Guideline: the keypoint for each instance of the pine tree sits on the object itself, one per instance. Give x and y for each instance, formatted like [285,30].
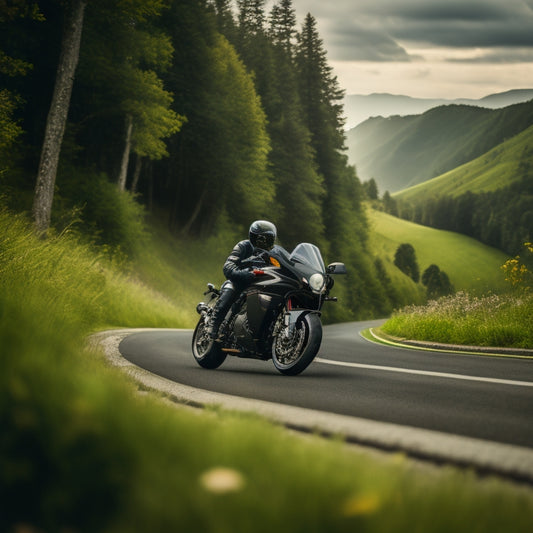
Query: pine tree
[346,227]
[282,27]
[224,17]
[218,161]
[299,188]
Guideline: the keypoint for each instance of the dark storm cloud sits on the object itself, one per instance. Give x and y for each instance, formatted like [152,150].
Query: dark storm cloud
[373,29]
[351,42]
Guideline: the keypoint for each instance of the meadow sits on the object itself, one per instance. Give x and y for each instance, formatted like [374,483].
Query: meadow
[470,265]
[84,448]
[493,320]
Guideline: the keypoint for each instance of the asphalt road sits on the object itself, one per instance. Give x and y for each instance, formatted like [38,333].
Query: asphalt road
[488,398]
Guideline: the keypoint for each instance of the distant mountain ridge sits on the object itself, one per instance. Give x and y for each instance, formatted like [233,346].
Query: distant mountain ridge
[399,152]
[497,169]
[359,108]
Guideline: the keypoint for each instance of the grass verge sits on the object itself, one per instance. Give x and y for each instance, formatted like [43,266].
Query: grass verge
[495,320]
[82,450]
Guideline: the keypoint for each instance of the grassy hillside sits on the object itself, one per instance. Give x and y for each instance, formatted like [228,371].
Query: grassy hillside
[400,152]
[470,265]
[497,169]
[82,450]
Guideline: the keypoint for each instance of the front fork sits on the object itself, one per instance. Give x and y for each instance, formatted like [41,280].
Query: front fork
[291,317]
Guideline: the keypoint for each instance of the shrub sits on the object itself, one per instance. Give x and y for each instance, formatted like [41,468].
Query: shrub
[405,260]
[100,210]
[437,282]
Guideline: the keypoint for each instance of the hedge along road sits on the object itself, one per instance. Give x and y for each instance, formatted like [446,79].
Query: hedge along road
[461,408]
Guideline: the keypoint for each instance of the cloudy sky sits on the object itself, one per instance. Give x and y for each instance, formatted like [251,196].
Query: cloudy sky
[426,48]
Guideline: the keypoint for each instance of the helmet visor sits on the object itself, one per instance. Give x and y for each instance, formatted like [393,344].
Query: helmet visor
[264,240]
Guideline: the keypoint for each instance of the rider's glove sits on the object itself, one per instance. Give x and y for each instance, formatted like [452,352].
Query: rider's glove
[243,276]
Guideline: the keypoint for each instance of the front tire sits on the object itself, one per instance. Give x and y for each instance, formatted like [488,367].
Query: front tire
[292,355]
[206,351]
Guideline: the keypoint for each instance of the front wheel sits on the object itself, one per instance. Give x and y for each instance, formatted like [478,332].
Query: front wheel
[293,353]
[206,351]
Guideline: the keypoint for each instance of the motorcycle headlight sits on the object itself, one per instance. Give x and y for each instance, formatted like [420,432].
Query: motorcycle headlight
[316,282]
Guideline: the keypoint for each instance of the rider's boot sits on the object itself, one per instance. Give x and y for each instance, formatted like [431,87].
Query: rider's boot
[227,297]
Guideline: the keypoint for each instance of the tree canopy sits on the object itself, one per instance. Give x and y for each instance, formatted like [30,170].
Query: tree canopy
[232,113]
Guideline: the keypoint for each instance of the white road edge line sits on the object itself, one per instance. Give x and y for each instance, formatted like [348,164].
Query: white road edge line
[494,457]
[426,373]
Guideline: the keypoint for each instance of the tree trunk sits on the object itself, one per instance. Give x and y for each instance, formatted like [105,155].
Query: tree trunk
[57,116]
[136,173]
[125,155]
[187,228]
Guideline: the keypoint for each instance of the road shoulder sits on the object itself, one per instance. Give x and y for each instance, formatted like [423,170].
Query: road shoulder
[513,462]
[376,335]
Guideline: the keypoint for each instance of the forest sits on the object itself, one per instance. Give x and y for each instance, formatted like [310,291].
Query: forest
[502,219]
[204,113]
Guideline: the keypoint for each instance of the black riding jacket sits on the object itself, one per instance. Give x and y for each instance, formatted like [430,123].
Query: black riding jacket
[232,267]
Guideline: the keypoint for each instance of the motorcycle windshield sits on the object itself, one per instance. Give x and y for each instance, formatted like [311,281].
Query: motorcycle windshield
[309,254]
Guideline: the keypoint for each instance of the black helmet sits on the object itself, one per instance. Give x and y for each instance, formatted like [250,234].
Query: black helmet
[263,234]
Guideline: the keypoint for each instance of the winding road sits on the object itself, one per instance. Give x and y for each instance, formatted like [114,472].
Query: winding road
[489,398]
[467,410]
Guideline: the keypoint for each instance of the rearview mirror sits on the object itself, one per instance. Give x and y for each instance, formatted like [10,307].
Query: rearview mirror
[336,268]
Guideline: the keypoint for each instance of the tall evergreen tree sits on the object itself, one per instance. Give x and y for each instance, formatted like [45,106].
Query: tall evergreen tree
[220,156]
[251,18]
[300,188]
[225,22]
[283,26]
[345,222]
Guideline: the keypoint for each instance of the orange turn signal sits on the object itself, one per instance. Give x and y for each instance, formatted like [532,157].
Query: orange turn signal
[275,262]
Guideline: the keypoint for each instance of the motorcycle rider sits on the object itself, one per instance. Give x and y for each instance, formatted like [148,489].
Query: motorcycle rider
[261,235]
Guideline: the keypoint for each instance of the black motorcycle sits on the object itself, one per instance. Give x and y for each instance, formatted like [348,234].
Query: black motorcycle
[277,317]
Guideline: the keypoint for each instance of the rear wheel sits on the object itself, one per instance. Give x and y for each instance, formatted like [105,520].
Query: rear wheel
[206,351]
[294,352]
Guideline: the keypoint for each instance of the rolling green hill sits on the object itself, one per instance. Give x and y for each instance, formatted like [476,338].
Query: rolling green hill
[399,152]
[489,198]
[497,169]
[470,265]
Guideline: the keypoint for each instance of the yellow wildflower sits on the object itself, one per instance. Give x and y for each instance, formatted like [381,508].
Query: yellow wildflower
[361,504]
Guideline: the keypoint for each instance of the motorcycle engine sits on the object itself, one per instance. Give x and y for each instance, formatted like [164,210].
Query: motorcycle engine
[243,335]
[241,327]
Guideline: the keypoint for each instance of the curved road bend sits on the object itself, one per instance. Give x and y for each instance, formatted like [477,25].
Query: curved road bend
[488,398]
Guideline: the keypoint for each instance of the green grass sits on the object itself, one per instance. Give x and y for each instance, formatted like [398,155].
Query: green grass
[496,320]
[470,265]
[82,450]
[481,314]
[180,268]
[496,169]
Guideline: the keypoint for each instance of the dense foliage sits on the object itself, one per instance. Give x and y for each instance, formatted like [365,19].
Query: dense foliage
[204,110]
[503,218]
